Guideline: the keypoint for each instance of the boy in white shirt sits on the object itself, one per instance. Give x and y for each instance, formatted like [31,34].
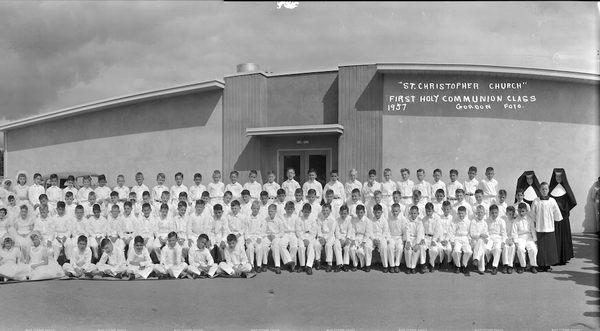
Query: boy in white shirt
[501,203]
[416,201]
[158,189]
[78,227]
[288,221]
[429,246]
[62,222]
[178,187]
[164,200]
[290,185]
[520,198]
[298,201]
[462,241]
[479,202]
[524,237]
[200,260]
[216,188]
[102,191]
[253,187]
[335,203]
[460,202]
[453,185]
[471,185]
[361,232]
[43,223]
[199,222]
[489,186]
[139,188]
[264,204]
[255,231]
[181,222]
[341,246]
[122,189]
[479,239]
[114,201]
[413,238]
[312,183]
[423,186]
[354,202]
[89,205]
[314,203]
[273,235]
[326,237]
[139,263]
[280,202]
[510,250]
[114,224]
[171,257]
[396,224]
[84,191]
[237,222]
[388,186]
[438,202]
[377,200]
[236,261]
[444,236]
[370,186]
[271,186]
[306,232]
[437,182]
[337,187]
[81,260]
[146,227]
[97,229]
[405,186]
[352,184]
[127,228]
[218,234]
[197,189]
[496,244]
[54,193]
[35,190]
[234,187]
[70,204]
[381,236]
[246,203]
[69,187]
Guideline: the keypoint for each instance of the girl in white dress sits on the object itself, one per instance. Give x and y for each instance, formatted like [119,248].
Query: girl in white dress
[139,263]
[10,260]
[21,189]
[23,225]
[41,262]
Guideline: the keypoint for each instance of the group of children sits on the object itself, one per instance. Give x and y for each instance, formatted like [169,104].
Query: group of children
[235,229]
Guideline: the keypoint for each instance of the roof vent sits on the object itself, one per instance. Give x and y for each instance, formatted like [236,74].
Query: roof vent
[247,67]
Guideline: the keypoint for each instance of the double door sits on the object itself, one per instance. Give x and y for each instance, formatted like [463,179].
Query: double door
[301,160]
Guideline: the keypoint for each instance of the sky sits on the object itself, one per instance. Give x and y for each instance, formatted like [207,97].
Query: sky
[61,54]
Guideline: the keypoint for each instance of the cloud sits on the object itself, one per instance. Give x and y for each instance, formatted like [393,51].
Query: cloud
[60,54]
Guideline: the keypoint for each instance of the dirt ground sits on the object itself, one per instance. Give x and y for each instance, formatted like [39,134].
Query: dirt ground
[567,298]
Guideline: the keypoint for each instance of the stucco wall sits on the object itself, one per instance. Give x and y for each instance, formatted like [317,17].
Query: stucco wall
[175,134]
[510,146]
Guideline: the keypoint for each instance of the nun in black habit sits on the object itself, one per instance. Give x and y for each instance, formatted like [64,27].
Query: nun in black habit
[530,186]
[561,191]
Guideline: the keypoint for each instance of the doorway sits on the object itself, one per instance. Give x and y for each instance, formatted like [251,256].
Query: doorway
[301,160]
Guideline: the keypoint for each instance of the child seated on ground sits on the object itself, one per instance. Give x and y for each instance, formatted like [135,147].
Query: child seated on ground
[80,264]
[112,262]
[139,263]
[41,261]
[200,261]
[171,258]
[236,261]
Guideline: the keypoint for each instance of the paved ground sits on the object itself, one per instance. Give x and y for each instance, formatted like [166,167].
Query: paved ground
[566,298]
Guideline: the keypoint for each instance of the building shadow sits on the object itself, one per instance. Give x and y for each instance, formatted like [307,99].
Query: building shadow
[585,247]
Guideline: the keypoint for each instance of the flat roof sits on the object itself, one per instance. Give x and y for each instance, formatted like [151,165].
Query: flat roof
[537,72]
[115,102]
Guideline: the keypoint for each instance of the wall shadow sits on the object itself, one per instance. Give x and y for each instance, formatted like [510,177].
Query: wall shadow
[330,104]
[585,247]
[371,99]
